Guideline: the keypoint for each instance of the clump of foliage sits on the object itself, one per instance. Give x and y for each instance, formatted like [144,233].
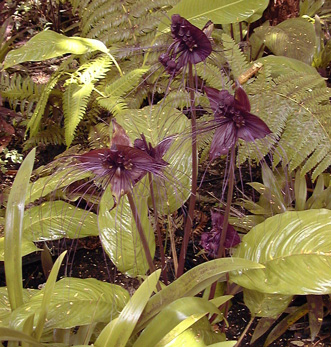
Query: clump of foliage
[150,91]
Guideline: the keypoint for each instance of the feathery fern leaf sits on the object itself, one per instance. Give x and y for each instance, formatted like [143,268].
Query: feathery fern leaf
[75,99]
[53,135]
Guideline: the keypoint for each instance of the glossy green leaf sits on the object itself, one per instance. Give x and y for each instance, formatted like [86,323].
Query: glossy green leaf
[57,219]
[200,334]
[49,44]
[45,185]
[7,334]
[119,235]
[191,283]
[280,65]
[180,328]
[172,315]
[117,334]
[47,295]
[14,231]
[295,248]
[293,38]
[266,305]
[5,309]
[75,302]
[27,247]
[156,124]
[218,11]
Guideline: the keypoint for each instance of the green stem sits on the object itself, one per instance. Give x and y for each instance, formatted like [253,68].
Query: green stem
[189,220]
[158,231]
[141,233]
[221,250]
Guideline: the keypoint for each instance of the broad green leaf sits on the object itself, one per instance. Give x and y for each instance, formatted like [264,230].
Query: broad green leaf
[262,327]
[179,329]
[45,185]
[119,235]
[224,344]
[53,220]
[293,38]
[171,316]
[75,302]
[218,11]
[200,334]
[75,99]
[295,248]
[117,333]
[27,247]
[157,124]
[14,231]
[49,44]
[5,309]
[8,334]
[266,305]
[192,282]
[48,292]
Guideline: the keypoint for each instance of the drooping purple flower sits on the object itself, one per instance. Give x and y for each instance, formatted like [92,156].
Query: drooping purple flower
[155,152]
[233,120]
[121,165]
[210,241]
[190,45]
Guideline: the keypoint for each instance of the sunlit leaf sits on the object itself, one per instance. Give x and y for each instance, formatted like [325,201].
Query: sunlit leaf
[192,282]
[27,247]
[218,11]
[119,235]
[295,248]
[13,335]
[75,302]
[171,316]
[118,332]
[57,219]
[14,231]
[266,305]
[49,44]
[293,38]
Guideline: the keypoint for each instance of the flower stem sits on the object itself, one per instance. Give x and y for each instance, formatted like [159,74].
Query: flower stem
[189,219]
[158,231]
[141,233]
[221,250]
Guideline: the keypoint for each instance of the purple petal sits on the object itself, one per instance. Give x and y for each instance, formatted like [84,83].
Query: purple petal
[224,139]
[119,135]
[254,128]
[162,148]
[242,99]
[219,99]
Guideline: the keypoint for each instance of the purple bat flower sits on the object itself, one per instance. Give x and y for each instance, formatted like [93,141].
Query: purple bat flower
[190,45]
[121,165]
[233,120]
[210,241]
[155,152]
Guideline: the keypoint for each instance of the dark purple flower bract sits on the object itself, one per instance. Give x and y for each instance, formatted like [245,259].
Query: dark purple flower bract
[210,241]
[190,45]
[233,120]
[121,165]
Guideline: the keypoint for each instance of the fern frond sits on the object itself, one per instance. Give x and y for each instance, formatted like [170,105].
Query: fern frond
[53,135]
[20,91]
[234,56]
[114,104]
[34,122]
[99,136]
[94,70]
[213,76]
[75,99]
